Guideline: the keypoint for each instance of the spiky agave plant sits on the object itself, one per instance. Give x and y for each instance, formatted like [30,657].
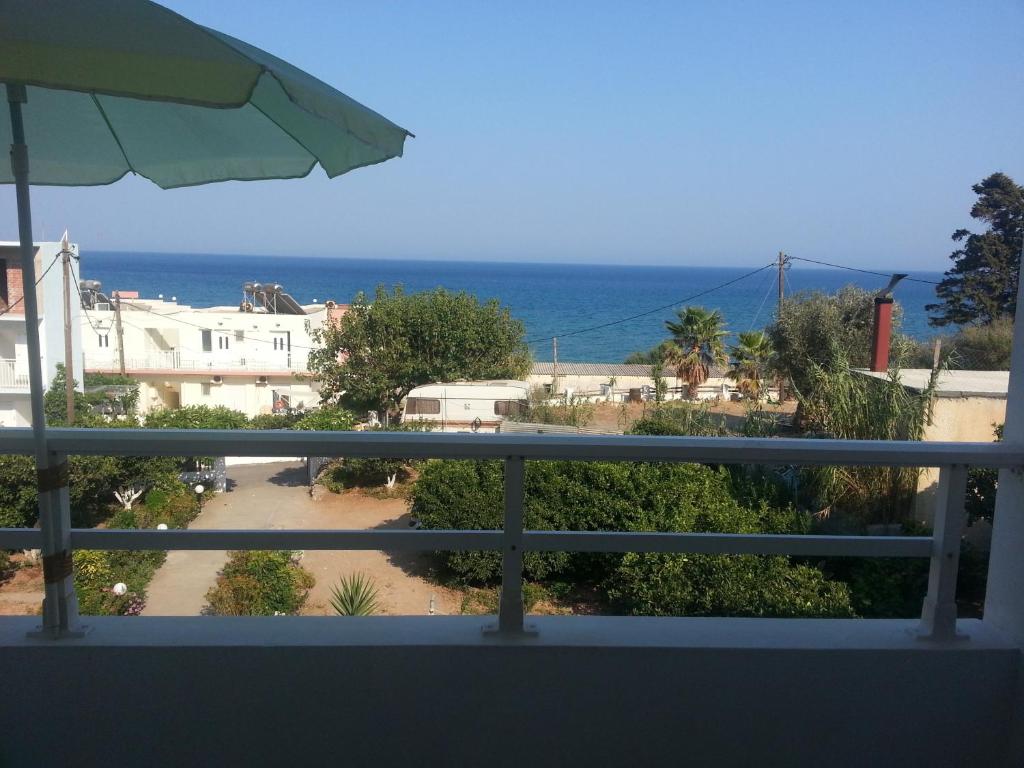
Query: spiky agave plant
[355,595]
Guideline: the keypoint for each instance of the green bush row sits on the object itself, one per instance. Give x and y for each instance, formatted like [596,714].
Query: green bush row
[600,496]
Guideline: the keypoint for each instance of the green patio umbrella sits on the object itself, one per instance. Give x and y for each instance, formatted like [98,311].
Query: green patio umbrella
[104,88]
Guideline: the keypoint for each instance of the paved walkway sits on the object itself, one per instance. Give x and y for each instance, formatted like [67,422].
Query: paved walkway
[275,496]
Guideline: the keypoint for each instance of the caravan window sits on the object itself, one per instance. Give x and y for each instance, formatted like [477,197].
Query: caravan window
[422,406]
[509,407]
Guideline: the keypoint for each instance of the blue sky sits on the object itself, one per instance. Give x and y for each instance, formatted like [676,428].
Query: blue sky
[663,133]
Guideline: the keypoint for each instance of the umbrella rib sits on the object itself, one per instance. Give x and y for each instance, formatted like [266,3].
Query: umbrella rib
[113,133]
[289,134]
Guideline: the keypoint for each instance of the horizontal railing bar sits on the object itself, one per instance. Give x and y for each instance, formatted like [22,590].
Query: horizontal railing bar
[192,539]
[728,544]
[724,450]
[21,538]
[534,541]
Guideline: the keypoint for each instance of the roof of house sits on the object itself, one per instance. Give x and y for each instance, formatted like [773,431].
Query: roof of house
[609,369]
[951,383]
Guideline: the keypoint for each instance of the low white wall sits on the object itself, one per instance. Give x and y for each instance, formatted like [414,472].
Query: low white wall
[595,691]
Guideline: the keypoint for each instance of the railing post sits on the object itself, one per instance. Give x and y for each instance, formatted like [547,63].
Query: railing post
[60,603]
[938,616]
[510,605]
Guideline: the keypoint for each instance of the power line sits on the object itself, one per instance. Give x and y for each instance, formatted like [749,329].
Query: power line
[767,293]
[40,280]
[864,271]
[655,310]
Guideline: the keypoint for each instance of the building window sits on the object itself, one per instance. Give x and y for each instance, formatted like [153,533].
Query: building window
[222,342]
[239,335]
[4,297]
[509,407]
[422,406]
[207,341]
[103,339]
[205,389]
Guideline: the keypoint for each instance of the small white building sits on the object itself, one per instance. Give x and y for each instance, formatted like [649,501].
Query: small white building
[251,358]
[614,381]
[15,401]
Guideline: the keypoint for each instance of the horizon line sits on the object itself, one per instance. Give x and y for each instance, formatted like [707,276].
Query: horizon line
[457,260]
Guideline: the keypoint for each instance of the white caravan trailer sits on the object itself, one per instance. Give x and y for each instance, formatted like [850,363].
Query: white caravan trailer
[466,406]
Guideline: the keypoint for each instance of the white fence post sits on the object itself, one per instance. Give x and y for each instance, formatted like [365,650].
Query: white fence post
[60,603]
[938,616]
[510,606]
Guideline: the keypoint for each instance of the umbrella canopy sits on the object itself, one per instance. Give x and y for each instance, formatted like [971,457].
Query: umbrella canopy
[103,88]
[117,87]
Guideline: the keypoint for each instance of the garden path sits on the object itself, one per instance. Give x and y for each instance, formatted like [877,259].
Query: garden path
[268,496]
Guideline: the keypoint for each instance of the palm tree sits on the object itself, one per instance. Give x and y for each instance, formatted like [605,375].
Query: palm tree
[751,358]
[696,345]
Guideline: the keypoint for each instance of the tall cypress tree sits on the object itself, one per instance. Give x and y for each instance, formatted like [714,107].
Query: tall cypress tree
[982,285]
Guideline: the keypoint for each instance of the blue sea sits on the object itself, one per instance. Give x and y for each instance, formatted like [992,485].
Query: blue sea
[564,300]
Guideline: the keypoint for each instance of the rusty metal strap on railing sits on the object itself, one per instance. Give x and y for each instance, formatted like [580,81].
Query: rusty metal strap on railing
[53,478]
[57,567]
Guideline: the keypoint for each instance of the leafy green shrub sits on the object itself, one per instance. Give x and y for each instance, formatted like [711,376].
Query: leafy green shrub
[96,573]
[260,584]
[725,585]
[592,496]
[274,421]
[5,564]
[196,417]
[326,420]
[17,492]
[680,419]
[355,595]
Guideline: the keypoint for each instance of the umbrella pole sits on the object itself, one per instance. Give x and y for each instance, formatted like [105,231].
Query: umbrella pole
[60,604]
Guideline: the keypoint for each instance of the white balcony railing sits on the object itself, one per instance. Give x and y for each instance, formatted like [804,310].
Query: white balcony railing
[938,619]
[175,361]
[10,378]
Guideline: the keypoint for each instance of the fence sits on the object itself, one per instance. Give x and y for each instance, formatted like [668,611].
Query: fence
[938,619]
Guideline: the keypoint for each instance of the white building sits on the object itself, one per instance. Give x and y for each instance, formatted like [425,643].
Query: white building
[614,381]
[251,357]
[15,407]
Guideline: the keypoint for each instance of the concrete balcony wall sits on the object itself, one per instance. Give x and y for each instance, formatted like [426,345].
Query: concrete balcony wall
[438,691]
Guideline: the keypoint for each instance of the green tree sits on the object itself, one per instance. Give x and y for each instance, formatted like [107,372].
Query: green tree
[982,285]
[817,327]
[752,358]
[55,404]
[697,345]
[382,348]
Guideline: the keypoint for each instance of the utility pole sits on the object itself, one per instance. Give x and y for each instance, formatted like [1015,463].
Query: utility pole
[120,331]
[783,261]
[69,370]
[554,366]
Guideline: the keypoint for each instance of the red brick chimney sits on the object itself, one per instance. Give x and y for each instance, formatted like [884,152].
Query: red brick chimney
[881,330]
[881,333]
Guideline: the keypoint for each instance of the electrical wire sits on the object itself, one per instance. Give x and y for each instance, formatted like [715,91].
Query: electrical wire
[863,271]
[763,302]
[655,310]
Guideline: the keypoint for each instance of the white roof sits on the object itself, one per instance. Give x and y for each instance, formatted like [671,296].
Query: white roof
[952,383]
[497,388]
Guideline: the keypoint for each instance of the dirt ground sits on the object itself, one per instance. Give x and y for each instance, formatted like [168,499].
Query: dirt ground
[400,577]
[21,592]
[620,416]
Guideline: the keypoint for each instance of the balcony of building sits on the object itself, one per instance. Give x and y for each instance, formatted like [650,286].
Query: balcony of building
[184,363]
[13,379]
[512,688]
